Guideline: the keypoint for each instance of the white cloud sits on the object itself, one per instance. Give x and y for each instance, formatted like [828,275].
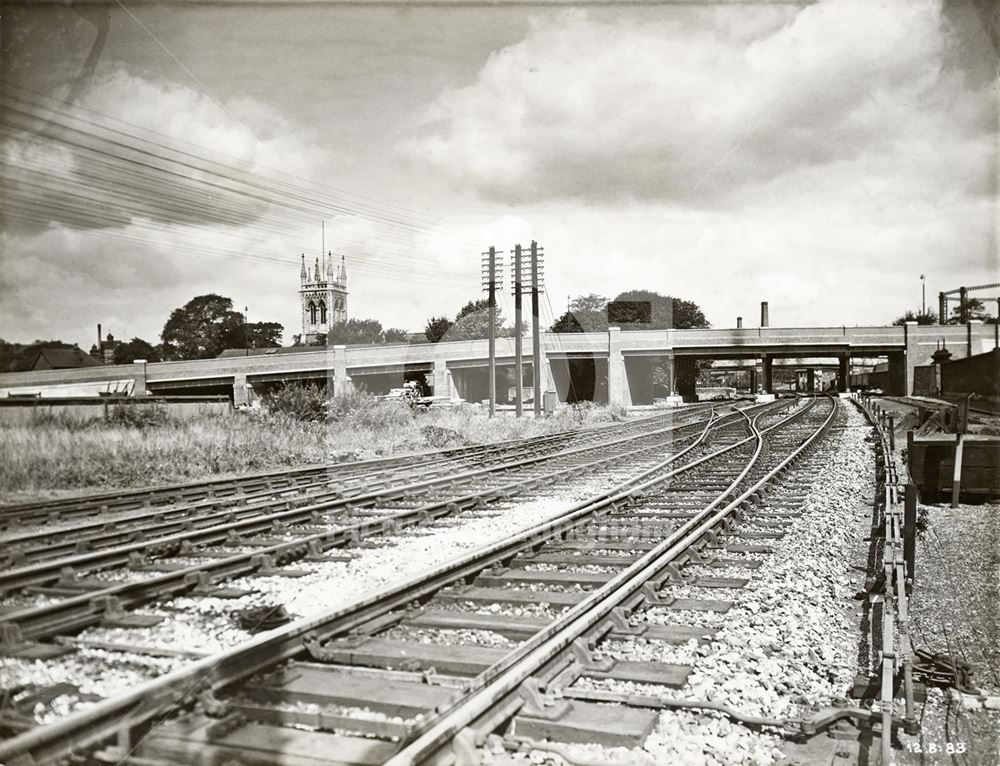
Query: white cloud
[610,110]
[140,148]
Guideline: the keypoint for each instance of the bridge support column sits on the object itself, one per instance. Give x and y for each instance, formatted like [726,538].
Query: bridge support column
[241,390]
[618,390]
[671,374]
[970,332]
[811,380]
[844,373]
[911,355]
[341,380]
[548,382]
[767,369]
[897,374]
[139,378]
[442,382]
[686,379]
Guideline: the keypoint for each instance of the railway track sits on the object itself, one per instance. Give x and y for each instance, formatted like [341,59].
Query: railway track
[328,491]
[215,493]
[364,684]
[60,593]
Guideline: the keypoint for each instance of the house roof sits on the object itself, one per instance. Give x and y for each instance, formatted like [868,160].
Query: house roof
[62,359]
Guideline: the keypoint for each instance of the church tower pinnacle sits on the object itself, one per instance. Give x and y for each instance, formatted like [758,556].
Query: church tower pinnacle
[323,296]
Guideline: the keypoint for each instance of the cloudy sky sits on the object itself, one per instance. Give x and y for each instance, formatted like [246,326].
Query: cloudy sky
[821,156]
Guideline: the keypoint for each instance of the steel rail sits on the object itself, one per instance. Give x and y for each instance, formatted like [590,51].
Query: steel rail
[39,573]
[184,518]
[896,649]
[120,715]
[136,498]
[75,612]
[495,687]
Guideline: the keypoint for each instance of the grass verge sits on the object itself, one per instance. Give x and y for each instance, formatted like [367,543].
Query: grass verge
[52,455]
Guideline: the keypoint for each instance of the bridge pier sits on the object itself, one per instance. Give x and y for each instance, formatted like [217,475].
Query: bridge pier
[241,390]
[139,378]
[811,380]
[686,377]
[844,373]
[341,380]
[767,373]
[441,380]
[897,373]
[618,389]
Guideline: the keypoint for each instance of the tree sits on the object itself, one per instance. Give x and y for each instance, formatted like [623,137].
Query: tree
[473,321]
[395,335]
[648,310]
[136,348]
[436,328]
[17,357]
[974,309]
[631,310]
[587,313]
[688,315]
[9,354]
[256,335]
[200,329]
[922,318]
[354,332]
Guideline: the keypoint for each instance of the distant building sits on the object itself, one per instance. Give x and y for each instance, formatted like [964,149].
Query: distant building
[323,296]
[60,359]
[105,352]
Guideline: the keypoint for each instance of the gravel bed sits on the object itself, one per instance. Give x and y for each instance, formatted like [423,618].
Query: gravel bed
[662,616]
[94,671]
[701,570]
[681,590]
[586,568]
[450,637]
[955,609]
[113,576]
[643,650]
[745,556]
[555,587]
[527,610]
[25,601]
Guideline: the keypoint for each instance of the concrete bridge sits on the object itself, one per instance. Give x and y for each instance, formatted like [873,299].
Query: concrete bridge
[612,366]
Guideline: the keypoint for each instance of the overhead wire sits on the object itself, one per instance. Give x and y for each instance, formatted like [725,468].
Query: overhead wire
[127,179]
[164,152]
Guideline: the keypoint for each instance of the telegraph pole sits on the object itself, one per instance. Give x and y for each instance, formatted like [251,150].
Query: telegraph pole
[536,352]
[490,284]
[518,358]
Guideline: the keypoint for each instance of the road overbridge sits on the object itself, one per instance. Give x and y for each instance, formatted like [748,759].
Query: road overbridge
[613,366]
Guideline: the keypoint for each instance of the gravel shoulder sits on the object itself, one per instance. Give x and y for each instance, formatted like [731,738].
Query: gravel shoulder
[955,609]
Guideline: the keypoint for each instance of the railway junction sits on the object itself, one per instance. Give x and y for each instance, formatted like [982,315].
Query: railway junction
[722,582]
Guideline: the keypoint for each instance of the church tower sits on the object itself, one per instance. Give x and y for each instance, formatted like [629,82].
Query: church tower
[323,294]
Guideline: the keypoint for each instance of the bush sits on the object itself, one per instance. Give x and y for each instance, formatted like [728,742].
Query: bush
[340,406]
[135,415]
[298,401]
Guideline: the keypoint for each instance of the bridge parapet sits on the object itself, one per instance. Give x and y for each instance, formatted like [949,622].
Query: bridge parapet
[917,342]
